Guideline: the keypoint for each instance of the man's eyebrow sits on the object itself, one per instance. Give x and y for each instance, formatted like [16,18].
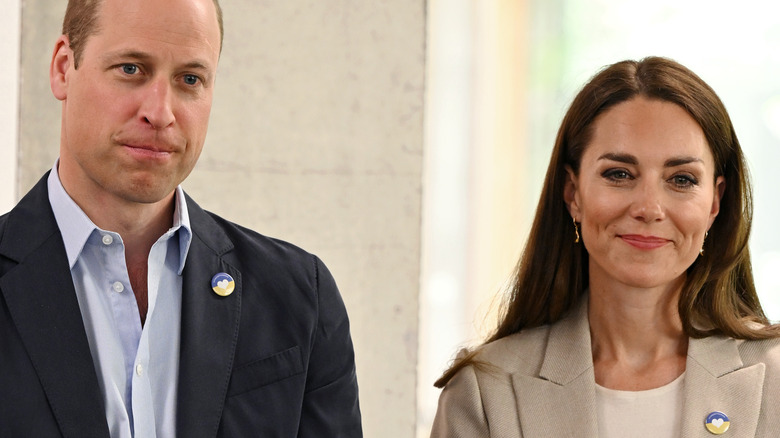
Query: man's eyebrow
[197,65]
[145,57]
[125,54]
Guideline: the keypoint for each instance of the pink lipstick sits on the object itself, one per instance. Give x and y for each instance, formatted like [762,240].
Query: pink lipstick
[644,242]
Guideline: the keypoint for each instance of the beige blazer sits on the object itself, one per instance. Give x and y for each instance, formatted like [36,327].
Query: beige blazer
[540,383]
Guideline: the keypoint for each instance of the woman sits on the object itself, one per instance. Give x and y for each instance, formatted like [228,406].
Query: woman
[633,310]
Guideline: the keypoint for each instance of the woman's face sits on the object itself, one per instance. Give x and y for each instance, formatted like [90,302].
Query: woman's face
[645,194]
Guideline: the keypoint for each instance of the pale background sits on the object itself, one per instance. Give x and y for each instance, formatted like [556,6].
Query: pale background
[9,101]
[323,110]
[500,75]
[316,138]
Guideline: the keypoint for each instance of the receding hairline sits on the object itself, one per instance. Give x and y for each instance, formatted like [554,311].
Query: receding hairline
[80,27]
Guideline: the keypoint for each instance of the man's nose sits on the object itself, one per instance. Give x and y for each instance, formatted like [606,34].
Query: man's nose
[157,106]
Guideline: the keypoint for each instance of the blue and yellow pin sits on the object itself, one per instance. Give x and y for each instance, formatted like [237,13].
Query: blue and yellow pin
[223,284]
[717,423]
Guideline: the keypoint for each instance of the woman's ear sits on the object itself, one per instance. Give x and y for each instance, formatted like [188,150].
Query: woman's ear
[570,194]
[720,188]
[61,61]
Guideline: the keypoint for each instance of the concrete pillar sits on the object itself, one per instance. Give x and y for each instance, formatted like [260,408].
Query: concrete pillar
[9,103]
[315,138]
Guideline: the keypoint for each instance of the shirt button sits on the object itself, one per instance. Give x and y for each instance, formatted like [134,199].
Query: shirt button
[107,239]
[118,286]
[139,369]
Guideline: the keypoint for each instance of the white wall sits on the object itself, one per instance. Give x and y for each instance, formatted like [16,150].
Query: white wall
[9,103]
[316,137]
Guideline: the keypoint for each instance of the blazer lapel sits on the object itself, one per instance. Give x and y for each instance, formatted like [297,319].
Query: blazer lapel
[209,329]
[561,401]
[716,380]
[42,301]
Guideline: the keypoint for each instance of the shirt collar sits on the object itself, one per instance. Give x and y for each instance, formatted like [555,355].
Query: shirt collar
[76,227]
[181,222]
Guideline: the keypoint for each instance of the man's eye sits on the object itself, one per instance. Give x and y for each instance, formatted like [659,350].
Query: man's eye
[190,79]
[130,69]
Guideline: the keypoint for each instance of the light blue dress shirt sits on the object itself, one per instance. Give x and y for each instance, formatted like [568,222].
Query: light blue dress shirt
[137,367]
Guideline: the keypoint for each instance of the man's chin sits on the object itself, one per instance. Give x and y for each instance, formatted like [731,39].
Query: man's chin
[147,193]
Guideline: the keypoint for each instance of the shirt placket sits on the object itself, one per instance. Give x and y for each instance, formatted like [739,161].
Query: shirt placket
[125,310]
[142,397]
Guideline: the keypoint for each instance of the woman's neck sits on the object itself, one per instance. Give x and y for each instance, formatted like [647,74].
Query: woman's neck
[636,335]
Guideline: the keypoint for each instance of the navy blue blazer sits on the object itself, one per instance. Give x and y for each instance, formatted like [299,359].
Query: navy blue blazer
[273,359]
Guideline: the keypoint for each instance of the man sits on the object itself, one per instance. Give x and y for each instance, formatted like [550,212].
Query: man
[125,309]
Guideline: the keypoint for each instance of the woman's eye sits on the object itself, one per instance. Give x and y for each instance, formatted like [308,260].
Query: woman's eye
[617,174]
[684,181]
[129,69]
[190,79]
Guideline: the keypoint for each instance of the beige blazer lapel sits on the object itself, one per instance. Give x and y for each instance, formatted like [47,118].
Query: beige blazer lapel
[561,401]
[717,380]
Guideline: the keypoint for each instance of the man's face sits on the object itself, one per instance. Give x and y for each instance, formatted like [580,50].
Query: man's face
[136,111]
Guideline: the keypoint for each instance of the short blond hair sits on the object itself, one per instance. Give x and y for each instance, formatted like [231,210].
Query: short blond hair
[80,23]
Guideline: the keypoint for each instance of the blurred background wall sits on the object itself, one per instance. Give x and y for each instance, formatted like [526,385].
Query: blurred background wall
[323,111]
[10,35]
[501,74]
[316,138]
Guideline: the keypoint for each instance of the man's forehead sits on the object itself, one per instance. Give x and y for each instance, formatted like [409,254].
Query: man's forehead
[150,28]
[185,22]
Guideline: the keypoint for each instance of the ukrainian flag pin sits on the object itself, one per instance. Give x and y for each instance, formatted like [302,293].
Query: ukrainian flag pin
[717,423]
[223,284]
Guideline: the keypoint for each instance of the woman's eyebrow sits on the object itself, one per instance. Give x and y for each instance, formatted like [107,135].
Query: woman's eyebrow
[630,159]
[621,158]
[679,161]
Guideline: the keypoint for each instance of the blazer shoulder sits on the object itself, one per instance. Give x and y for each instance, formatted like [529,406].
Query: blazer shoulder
[521,352]
[3,258]
[247,239]
[3,221]
[765,351]
[480,399]
[28,224]
[249,249]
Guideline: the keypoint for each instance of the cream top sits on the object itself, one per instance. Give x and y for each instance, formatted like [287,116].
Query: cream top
[637,414]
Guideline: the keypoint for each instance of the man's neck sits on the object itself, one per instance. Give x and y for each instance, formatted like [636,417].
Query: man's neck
[140,228]
[140,225]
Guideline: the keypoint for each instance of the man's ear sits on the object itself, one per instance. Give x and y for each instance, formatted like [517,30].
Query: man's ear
[61,62]
[570,193]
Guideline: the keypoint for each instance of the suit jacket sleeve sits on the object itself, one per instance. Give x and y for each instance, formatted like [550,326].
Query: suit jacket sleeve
[461,413]
[330,405]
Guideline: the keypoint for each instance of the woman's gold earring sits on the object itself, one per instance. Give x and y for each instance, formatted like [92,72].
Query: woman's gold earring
[701,251]
[576,231]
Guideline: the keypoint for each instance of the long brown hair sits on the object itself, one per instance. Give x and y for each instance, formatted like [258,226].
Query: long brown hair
[718,296]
